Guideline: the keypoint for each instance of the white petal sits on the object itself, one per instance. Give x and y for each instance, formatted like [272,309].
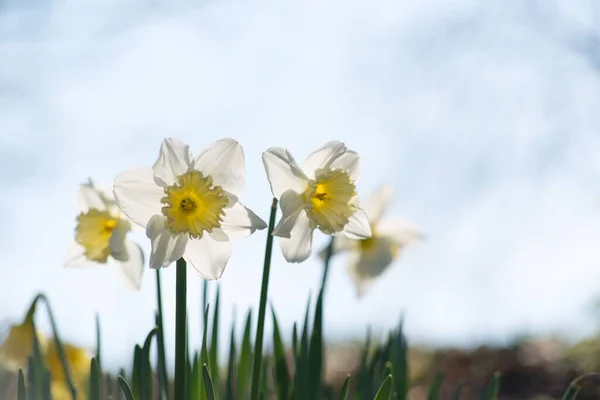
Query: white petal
[358,226]
[208,256]
[379,201]
[90,196]
[291,205]
[117,244]
[350,162]
[299,246]
[239,221]
[365,266]
[399,231]
[133,268]
[166,247]
[361,283]
[323,157]
[219,235]
[283,172]
[224,161]
[340,244]
[138,195]
[75,256]
[173,160]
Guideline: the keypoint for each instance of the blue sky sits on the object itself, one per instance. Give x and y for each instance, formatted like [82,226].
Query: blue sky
[482,115]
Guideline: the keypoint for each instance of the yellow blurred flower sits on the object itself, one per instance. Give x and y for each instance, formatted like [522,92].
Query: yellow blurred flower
[18,344]
[78,360]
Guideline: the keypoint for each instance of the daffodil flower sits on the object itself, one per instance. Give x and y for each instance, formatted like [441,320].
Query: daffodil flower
[78,359]
[18,343]
[189,204]
[101,233]
[320,195]
[369,258]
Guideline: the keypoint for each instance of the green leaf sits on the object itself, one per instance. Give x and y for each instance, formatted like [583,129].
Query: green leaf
[118,391]
[208,385]
[457,391]
[21,391]
[385,391]
[181,353]
[434,388]
[136,373]
[94,380]
[345,387]
[491,390]
[281,368]
[229,387]
[204,351]
[98,343]
[126,388]
[163,377]
[245,364]
[301,378]
[196,378]
[39,376]
[316,352]
[571,393]
[213,360]
[399,350]
[146,375]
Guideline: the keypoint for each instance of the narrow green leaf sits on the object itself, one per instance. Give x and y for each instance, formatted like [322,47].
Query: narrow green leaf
[229,386]
[126,388]
[163,377]
[491,390]
[365,388]
[181,357]
[260,324]
[399,356]
[301,379]
[385,390]
[22,391]
[213,361]
[146,375]
[571,393]
[435,386]
[208,384]
[345,387]
[94,380]
[196,378]
[457,391]
[98,343]
[136,373]
[316,351]
[118,391]
[245,364]
[281,368]
[204,350]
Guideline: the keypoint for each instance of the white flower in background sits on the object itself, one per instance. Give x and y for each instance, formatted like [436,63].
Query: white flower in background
[320,195]
[369,258]
[101,234]
[189,205]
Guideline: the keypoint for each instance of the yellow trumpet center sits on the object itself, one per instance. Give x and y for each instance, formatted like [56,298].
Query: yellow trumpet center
[329,200]
[194,205]
[93,231]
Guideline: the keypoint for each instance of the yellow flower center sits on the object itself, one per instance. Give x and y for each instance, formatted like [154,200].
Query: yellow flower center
[194,205]
[329,200]
[93,233]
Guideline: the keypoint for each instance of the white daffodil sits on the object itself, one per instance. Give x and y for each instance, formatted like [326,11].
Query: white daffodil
[189,204]
[320,195]
[101,233]
[369,258]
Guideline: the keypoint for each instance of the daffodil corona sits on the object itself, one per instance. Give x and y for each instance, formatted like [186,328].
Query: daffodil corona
[369,258]
[189,204]
[321,195]
[101,234]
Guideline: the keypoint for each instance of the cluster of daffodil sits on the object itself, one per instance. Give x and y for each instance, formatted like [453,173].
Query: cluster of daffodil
[189,206]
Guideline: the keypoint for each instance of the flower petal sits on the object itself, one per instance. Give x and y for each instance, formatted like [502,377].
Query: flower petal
[323,157]
[291,205]
[75,256]
[358,226]
[117,244]
[350,162]
[173,160]
[166,247]
[224,161]
[340,244]
[239,221]
[90,196]
[208,256]
[133,268]
[283,172]
[399,231]
[379,201]
[138,195]
[299,246]
[364,266]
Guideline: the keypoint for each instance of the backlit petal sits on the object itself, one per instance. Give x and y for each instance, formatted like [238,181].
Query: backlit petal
[358,226]
[377,204]
[340,244]
[239,221]
[400,231]
[208,256]
[283,172]
[350,162]
[75,256]
[224,161]
[299,246]
[291,205]
[90,196]
[173,160]
[323,157]
[117,243]
[138,195]
[133,268]
[370,263]
[166,247]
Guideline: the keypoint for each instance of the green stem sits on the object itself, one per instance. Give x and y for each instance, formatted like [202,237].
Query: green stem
[180,330]
[328,254]
[162,359]
[260,326]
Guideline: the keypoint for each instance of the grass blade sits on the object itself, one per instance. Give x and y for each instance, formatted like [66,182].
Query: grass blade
[125,388]
[180,330]
[345,387]
[196,378]
[21,390]
[229,386]
[435,386]
[94,380]
[146,375]
[385,391]
[208,384]
[214,342]
[491,390]
[245,364]
[204,349]
[260,326]
[98,343]
[315,352]
[281,369]
[163,377]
